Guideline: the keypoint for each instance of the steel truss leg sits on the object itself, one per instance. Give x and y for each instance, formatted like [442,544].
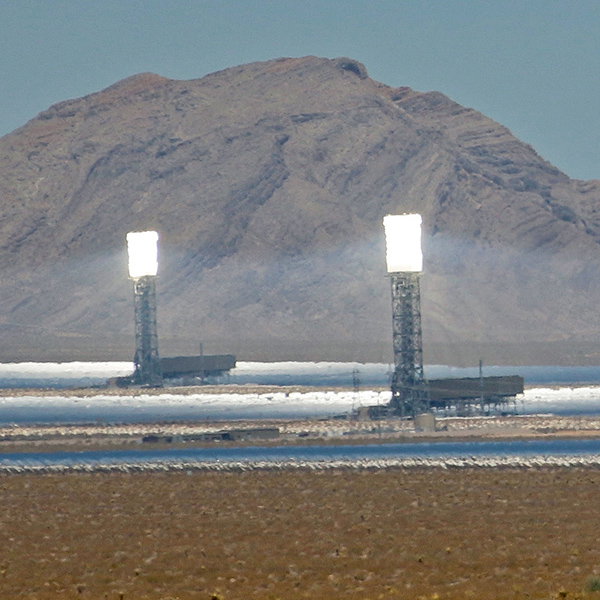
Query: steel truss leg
[147,363]
[409,389]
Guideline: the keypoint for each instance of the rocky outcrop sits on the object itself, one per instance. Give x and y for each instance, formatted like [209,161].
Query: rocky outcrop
[268,183]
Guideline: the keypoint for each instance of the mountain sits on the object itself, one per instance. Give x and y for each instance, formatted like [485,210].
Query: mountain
[268,183]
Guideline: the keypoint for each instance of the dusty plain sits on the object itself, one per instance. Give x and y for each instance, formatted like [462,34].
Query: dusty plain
[413,533]
[391,533]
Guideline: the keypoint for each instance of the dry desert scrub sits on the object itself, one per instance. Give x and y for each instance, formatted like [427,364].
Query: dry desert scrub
[394,533]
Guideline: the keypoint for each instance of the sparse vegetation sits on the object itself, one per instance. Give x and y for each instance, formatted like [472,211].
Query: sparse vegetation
[398,533]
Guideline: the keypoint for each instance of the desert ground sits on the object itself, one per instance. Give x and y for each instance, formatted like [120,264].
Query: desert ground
[365,533]
[387,533]
[57,438]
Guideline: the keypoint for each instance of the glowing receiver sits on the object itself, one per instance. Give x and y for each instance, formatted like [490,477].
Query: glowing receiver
[142,247]
[403,243]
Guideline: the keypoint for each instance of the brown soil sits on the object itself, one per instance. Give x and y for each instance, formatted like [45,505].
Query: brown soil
[398,533]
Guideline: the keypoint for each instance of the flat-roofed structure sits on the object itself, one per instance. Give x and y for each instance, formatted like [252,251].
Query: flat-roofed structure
[475,394]
[204,365]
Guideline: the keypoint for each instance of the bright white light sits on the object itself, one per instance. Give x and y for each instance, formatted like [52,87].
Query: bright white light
[403,243]
[142,247]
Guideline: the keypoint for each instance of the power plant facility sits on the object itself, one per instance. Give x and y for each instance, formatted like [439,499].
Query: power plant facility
[149,369]
[142,248]
[404,265]
[412,394]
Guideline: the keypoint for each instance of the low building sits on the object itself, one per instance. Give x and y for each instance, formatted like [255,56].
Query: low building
[204,365]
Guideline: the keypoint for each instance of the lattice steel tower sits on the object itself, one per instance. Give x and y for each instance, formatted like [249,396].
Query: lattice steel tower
[143,265]
[409,388]
[405,264]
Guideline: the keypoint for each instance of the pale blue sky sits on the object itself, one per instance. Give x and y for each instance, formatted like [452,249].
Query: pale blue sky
[532,65]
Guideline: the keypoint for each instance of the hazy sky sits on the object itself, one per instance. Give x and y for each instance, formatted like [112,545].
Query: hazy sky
[532,65]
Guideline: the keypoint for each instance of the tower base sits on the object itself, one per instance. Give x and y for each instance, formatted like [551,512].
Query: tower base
[147,363]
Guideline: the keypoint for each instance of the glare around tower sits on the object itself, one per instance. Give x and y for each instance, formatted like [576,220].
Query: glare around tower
[403,243]
[142,248]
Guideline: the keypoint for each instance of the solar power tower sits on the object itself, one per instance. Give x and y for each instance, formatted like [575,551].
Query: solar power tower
[142,247]
[404,266]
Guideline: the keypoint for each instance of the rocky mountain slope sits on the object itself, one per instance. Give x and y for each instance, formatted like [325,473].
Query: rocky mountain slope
[268,183]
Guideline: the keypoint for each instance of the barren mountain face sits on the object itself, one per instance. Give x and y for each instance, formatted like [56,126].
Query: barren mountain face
[268,183]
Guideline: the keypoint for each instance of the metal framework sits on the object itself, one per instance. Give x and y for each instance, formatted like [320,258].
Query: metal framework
[409,388]
[147,363]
